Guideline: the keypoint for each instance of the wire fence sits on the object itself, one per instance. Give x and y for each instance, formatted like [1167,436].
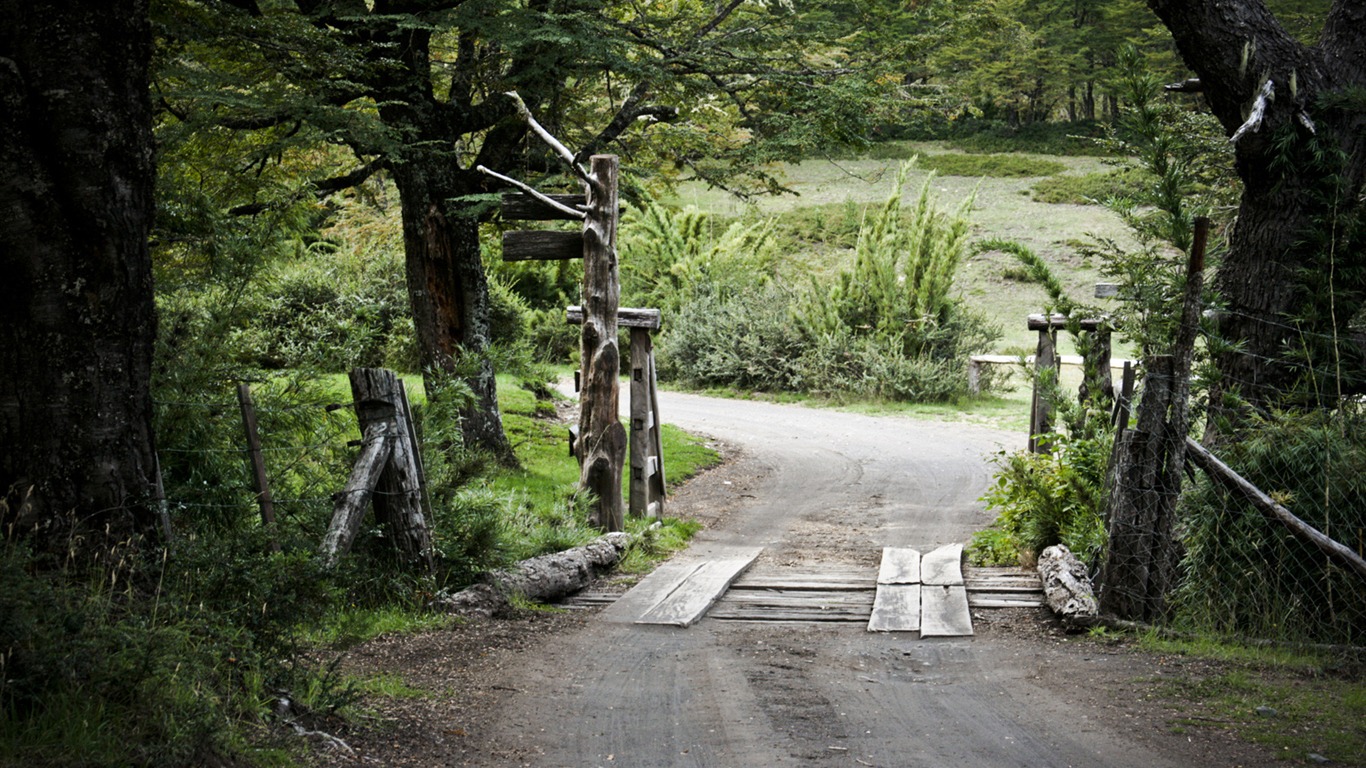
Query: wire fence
[1259,544]
[205,460]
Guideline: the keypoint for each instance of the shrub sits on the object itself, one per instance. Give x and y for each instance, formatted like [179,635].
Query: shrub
[1044,499]
[745,340]
[668,255]
[891,324]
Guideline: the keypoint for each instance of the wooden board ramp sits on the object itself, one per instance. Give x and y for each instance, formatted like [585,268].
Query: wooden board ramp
[922,594]
[822,593]
[680,592]
[944,611]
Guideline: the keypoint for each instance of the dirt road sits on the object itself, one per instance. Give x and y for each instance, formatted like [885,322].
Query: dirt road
[817,486]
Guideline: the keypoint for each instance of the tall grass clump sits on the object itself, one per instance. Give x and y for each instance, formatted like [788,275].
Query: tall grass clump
[892,326]
[1246,574]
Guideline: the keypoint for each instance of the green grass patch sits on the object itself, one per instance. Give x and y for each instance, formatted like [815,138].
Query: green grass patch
[1069,139]
[1092,188]
[1293,702]
[389,686]
[995,166]
[353,625]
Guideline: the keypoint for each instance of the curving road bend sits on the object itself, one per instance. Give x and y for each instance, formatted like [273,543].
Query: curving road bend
[814,486]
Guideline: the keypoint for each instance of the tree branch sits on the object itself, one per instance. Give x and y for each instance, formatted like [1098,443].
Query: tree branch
[631,110]
[321,188]
[560,149]
[528,189]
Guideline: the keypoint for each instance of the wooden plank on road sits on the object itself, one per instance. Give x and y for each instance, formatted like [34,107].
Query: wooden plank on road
[896,608]
[699,590]
[944,611]
[943,566]
[899,566]
[650,591]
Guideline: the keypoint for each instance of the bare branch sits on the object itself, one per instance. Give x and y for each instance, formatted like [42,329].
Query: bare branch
[320,188]
[631,110]
[551,141]
[528,189]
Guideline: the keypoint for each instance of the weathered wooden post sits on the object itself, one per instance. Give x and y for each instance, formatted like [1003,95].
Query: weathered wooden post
[602,439]
[647,447]
[600,442]
[259,481]
[1045,359]
[387,472]
[1146,480]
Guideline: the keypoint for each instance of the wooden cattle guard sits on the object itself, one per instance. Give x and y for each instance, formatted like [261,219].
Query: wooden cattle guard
[647,447]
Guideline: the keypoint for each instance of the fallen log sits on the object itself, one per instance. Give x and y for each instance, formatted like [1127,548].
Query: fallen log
[543,578]
[1066,586]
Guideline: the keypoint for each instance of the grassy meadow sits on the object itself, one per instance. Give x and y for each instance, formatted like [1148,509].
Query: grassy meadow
[819,223]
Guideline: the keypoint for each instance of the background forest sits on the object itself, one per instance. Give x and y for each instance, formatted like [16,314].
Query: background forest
[841,200]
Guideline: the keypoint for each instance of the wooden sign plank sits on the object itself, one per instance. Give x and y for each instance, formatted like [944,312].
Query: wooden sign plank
[896,608]
[944,611]
[627,317]
[899,566]
[542,245]
[1041,322]
[943,566]
[519,207]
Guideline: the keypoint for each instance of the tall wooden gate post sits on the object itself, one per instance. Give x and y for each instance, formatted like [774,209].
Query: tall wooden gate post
[1041,411]
[647,448]
[1145,483]
[602,439]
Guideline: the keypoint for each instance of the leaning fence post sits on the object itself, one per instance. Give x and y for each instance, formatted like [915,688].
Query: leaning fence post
[258,464]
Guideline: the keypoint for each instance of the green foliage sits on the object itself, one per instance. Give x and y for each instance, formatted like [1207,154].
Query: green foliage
[652,543]
[900,282]
[1041,138]
[669,255]
[130,662]
[890,327]
[1044,499]
[1247,575]
[1190,163]
[746,340]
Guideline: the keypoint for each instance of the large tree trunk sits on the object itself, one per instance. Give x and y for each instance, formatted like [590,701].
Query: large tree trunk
[447,287]
[76,307]
[1301,189]
[449,293]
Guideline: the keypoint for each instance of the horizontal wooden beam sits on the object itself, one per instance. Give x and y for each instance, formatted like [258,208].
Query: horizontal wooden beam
[519,207]
[542,245]
[1052,322]
[627,317]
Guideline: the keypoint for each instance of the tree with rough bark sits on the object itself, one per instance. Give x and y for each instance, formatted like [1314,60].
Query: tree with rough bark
[1294,276]
[415,89]
[77,461]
